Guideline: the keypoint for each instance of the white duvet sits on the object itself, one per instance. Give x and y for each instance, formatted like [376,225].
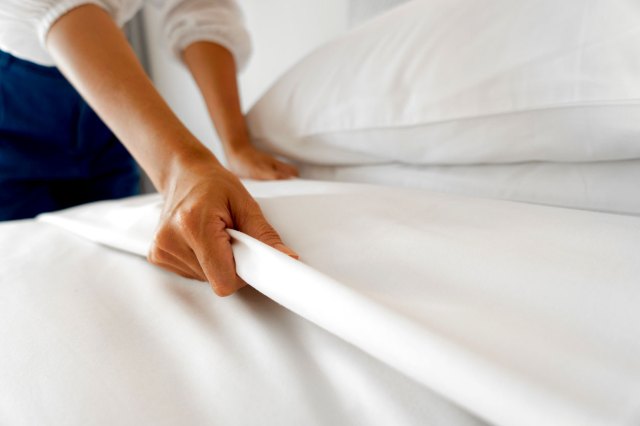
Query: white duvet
[519,314]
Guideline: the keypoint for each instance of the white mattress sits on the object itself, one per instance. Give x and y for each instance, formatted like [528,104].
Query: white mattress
[519,314]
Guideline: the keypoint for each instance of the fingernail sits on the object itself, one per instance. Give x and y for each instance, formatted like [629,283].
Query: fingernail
[286,250]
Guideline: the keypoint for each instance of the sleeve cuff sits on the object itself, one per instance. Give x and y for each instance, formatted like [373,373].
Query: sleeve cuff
[56,11]
[237,41]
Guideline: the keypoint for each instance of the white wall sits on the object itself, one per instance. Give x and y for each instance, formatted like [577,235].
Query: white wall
[282,32]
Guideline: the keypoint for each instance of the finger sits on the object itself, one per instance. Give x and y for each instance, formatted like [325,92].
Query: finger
[216,259]
[278,172]
[293,171]
[280,175]
[170,246]
[186,261]
[275,173]
[265,173]
[287,170]
[179,251]
[172,267]
[250,220]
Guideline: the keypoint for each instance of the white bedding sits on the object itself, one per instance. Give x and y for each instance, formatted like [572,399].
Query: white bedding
[519,314]
[610,186]
[446,82]
[529,100]
[95,336]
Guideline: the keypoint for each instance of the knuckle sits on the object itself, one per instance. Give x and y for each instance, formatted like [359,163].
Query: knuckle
[218,224]
[186,219]
[163,238]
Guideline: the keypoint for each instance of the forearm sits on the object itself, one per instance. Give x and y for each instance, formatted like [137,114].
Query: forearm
[202,199]
[213,68]
[94,55]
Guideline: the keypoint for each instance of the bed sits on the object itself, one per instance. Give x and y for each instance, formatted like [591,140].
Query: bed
[92,335]
[452,302]
[406,308]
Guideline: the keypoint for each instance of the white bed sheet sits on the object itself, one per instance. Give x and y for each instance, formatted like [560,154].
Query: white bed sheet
[94,336]
[607,186]
[520,314]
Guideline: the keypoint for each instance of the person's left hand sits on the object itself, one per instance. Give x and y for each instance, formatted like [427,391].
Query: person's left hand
[249,163]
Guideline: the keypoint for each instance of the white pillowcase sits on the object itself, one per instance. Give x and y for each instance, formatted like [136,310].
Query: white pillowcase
[465,82]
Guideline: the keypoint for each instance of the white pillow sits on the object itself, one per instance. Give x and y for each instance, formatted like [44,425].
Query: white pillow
[463,82]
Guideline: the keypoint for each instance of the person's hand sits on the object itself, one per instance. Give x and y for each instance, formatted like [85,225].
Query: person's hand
[250,163]
[202,199]
[201,202]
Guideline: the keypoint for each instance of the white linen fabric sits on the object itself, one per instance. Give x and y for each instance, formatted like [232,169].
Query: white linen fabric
[607,186]
[520,314]
[361,10]
[24,24]
[465,82]
[94,336]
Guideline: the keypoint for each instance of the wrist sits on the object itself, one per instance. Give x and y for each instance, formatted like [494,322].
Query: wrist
[235,147]
[193,160]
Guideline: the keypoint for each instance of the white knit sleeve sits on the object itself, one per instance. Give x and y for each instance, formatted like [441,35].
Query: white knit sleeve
[42,14]
[218,21]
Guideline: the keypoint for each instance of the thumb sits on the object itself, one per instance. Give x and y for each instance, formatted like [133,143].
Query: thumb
[253,223]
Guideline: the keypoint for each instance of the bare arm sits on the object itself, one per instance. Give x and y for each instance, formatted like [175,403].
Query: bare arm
[96,58]
[202,199]
[214,70]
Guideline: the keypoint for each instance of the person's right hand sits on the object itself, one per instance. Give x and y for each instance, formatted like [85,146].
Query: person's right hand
[202,199]
[201,202]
